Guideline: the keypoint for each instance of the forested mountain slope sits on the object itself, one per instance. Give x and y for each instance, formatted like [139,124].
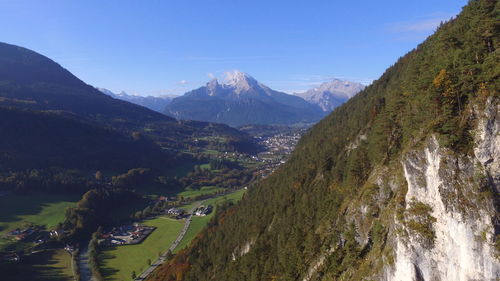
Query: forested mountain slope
[42,140]
[31,81]
[399,183]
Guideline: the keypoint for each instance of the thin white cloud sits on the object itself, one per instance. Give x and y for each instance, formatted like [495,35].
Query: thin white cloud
[425,24]
[183,82]
[417,29]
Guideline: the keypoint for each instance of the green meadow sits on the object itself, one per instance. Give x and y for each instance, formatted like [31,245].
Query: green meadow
[118,263]
[38,208]
[53,265]
[205,190]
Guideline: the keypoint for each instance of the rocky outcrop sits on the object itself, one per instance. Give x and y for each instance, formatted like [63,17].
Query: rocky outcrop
[487,139]
[242,250]
[456,243]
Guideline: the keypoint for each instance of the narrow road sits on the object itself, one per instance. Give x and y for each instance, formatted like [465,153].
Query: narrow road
[83,264]
[172,247]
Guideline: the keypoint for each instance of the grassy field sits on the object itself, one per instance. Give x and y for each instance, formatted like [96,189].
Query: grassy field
[117,263]
[202,191]
[232,197]
[55,265]
[211,152]
[198,223]
[206,166]
[38,208]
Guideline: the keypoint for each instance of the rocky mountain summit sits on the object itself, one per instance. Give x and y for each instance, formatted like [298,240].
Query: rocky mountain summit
[330,95]
[240,99]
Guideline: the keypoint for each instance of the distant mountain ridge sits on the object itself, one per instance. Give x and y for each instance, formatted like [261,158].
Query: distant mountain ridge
[241,100]
[156,103]
[330,95]
[63,116]
[32,81]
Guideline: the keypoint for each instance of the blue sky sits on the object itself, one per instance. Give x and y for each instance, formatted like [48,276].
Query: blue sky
[171,46]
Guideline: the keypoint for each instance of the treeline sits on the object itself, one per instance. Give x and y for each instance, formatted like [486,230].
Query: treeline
[98,205]
[77,181]
[152,210]
[97,208]
[219,164]
[50,180]
[93,256]
[226,177]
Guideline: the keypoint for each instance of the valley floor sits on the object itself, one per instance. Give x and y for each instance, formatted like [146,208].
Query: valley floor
[120,262]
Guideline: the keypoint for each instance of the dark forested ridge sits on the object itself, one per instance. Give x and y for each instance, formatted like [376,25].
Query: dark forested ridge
[41,140]
[50,118]
[32,81]
[297,217]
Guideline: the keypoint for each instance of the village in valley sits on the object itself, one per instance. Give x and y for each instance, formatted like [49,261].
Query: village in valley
[179,207]
[277,144]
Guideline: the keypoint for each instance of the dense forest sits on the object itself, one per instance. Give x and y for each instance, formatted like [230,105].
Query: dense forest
[41,140]
[298,214]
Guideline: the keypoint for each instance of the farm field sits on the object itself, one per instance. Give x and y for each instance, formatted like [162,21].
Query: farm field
[118,263]
[42,209]
[211,152]
[202,191]
[233,197]
[54,265]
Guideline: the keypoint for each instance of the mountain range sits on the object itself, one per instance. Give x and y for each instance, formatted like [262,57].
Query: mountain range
[156,103]
[240,100]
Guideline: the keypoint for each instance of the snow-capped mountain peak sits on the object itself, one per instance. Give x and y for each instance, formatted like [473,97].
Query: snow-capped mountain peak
[240,99]
[331,94]
[240,81]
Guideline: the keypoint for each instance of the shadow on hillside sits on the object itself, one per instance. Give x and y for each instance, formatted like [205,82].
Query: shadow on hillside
[105,270]
[38,267]
[13,206]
